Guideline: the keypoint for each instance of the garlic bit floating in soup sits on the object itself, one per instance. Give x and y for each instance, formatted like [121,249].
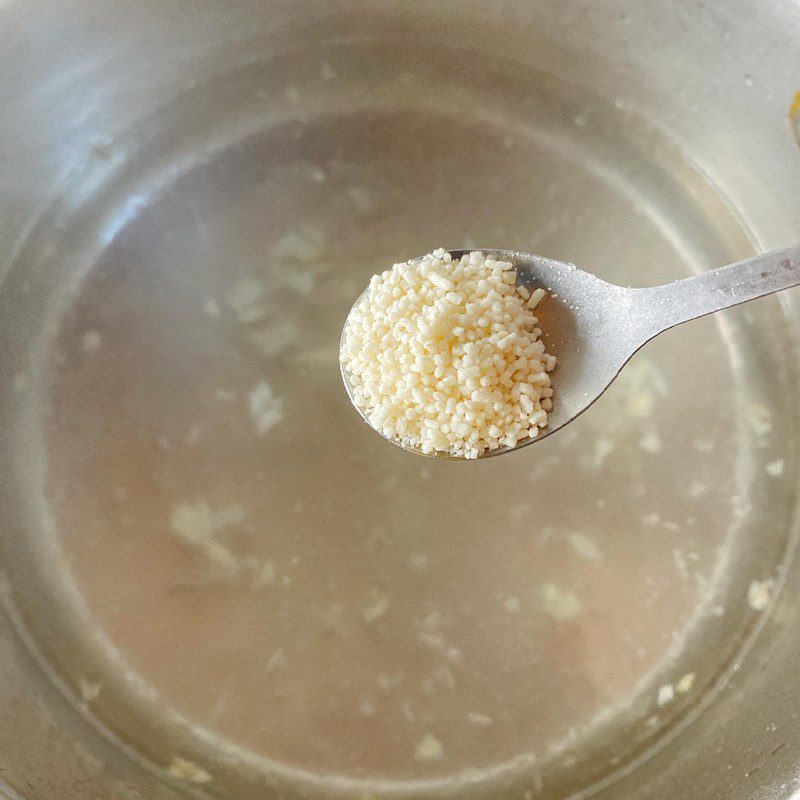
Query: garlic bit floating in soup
[443,355]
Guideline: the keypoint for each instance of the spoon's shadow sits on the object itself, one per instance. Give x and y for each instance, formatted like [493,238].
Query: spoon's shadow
[559,332]
[585,323]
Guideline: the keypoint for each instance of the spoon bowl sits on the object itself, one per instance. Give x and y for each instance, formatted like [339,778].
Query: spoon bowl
[593,327]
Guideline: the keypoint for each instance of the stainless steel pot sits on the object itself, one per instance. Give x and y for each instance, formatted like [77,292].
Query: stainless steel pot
[214,580]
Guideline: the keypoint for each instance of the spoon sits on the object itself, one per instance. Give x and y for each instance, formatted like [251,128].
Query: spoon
[594,327]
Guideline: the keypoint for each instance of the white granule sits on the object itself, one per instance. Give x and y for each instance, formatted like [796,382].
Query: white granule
[685,683]
[512,604]
[92,341]
[265,576]
[585,546]
[276,660]
[759,594]
[444,355]
[379,605]
[429,748]
[265,408]
[560,604]
[276,338]
[665,694]
[246,300]
[697,489]
[603,448]
[89,689]
[197,524]
[186,770]
[650,443]
[211,307]
[366,708]
[775,468]
[760,418]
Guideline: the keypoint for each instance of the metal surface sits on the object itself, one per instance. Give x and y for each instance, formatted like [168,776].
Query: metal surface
[215,580]
[595,327]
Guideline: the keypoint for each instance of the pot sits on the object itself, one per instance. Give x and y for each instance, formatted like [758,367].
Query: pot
[216,581]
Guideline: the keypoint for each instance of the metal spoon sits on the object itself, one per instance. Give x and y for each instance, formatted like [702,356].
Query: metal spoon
[594,327]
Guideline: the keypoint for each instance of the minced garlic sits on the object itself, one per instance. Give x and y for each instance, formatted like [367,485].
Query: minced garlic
[444,355]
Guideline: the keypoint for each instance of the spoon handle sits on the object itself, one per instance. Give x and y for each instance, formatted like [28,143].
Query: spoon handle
[666,306]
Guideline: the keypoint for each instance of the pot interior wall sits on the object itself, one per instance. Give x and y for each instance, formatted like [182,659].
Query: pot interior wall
[224,571]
